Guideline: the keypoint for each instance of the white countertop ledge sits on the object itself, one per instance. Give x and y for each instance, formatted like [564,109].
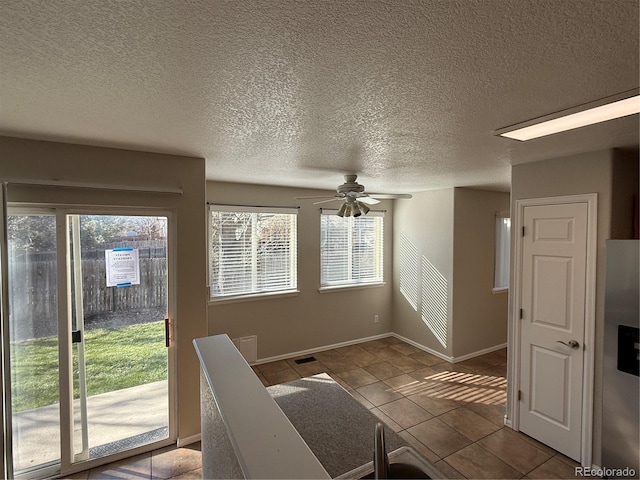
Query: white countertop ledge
[265,442]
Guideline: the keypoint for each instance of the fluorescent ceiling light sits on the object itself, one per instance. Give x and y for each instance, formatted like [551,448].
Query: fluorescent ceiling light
[621,105]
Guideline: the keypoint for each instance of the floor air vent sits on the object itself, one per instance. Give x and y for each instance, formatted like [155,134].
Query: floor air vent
[305,360]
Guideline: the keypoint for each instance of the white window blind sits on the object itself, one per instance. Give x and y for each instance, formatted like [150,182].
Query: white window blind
[503,251]
[351,249]
[252,250]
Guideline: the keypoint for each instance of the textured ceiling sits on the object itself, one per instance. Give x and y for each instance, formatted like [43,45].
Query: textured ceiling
[291,92]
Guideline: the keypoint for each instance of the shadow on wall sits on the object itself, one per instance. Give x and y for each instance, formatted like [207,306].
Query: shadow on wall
[425,288]
[409,271]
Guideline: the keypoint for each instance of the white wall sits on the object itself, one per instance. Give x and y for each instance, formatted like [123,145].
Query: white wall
[479,316]
[448,238]
[426,223]
[310,319]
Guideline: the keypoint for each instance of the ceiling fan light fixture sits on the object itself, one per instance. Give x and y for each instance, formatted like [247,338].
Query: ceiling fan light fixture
[342,210]
[354,199]
[609,108]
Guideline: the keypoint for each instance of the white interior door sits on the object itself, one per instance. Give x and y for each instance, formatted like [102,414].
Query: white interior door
[553,305]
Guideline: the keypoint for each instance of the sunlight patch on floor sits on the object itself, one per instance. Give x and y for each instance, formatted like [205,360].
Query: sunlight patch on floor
[459,386]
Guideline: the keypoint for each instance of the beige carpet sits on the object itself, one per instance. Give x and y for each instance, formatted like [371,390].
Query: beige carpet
[338,429]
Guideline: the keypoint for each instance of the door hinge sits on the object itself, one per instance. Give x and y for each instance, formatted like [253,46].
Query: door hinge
[523,230]
[167,333]
[521,314]
[76,336]
[519,395]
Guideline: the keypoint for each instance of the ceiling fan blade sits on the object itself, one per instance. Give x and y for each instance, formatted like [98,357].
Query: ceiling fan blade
[313,196]
[368,200]
[390,195]
[326,201]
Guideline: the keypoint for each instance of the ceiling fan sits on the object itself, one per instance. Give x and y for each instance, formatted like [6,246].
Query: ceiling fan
[355,201]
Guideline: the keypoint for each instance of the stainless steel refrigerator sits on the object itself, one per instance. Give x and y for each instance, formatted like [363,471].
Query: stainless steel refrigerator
[621,385]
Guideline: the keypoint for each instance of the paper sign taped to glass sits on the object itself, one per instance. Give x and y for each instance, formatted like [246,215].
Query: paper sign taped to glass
[123,267]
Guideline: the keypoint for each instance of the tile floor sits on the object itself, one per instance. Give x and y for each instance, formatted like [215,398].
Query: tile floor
[451,413]
[169,462]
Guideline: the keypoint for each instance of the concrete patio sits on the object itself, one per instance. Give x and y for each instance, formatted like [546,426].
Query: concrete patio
[116,421]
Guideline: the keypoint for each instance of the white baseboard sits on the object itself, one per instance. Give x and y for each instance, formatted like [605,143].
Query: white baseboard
[446,357]
[320,349]
[478,353]
[183,442]
[441,355]
[508,422]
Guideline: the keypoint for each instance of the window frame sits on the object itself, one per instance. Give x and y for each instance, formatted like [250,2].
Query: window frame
[253,293]
[502,253]
[379,254]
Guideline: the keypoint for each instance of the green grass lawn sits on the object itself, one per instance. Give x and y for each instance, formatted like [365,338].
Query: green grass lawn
[115,359]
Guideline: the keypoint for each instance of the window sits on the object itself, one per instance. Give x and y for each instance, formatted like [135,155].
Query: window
[503,249]
[252,250]
[351,249]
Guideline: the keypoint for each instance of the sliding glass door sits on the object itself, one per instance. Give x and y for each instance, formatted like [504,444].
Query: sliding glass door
[89,349]
[33,339]
[118,267]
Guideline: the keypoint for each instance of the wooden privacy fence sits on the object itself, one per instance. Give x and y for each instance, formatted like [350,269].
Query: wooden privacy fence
[33,299]
[98,298]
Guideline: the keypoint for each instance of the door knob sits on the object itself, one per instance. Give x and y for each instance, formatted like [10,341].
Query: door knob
[571,344]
